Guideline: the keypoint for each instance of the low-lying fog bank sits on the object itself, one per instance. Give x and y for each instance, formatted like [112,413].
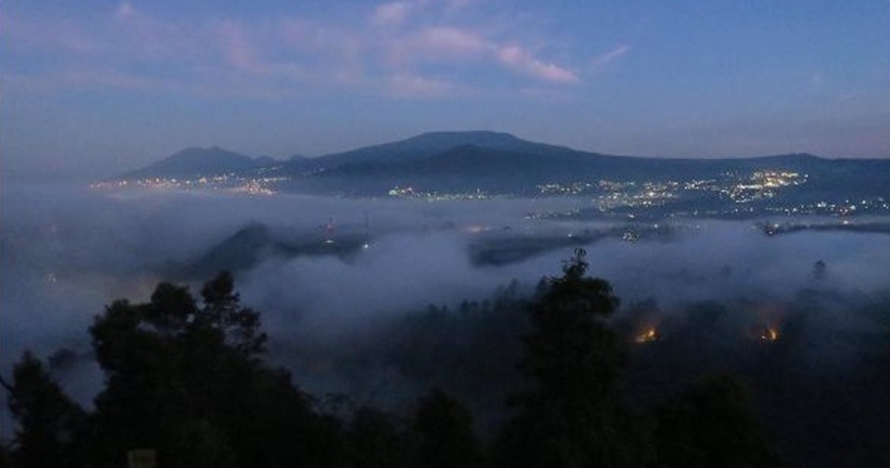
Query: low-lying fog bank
[333,319]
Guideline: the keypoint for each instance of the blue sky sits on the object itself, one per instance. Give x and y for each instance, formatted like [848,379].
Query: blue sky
[92,88]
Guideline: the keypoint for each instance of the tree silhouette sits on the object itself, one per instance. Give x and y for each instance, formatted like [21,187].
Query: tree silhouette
[443,433]
[51,426]
[223,311]
[189,382]
[571,417]
[373,441]
[713,423]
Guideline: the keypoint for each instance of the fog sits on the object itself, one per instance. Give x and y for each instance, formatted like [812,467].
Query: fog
[66,252]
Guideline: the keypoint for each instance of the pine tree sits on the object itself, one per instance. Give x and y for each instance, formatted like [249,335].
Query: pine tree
[572,416]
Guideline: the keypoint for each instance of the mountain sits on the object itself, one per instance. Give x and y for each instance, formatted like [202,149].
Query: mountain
[254,242]
[470,154]
[192,162]
[428,144]
[448,161]
[463,167]
[500,161]
[494,162]
[467,164]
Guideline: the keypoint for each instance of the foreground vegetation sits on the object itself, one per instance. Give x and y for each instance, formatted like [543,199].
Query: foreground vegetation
[187,380]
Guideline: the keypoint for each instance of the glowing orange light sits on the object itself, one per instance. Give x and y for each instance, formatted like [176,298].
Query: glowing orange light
[769,334]
[650,334]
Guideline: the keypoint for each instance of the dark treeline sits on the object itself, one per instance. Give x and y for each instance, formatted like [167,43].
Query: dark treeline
[550,380]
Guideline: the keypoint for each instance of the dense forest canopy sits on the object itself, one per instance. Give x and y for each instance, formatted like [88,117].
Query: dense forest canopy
[547,379]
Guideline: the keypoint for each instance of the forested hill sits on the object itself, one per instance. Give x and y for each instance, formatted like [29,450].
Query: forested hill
[493,162]
[551,379]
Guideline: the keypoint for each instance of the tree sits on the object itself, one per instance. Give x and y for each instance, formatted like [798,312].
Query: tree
[199,443]
[4,455]
[443,433]
[571,353]
[145,400]
[373,441]
[222,309]
[189,382]
[51,426]
[713,423]
[571,416]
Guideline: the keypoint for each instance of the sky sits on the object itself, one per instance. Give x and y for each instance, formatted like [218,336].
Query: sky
[90,89]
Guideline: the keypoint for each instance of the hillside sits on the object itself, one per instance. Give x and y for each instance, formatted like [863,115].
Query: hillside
[196,162]
[459,164]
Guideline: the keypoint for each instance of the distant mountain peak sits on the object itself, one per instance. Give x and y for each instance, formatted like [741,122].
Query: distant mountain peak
[791,158]
[784,158]
[196,161]
[197,151]
[467,136]
[455,160]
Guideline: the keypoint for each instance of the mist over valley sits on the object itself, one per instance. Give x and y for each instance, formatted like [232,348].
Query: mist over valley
[444,234]
[377,296]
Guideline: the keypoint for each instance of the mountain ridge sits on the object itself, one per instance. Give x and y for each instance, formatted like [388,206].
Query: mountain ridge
[197,161]
[497,163]
[431,146]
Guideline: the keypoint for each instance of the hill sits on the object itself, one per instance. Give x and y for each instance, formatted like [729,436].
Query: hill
[196,162]
[462,164]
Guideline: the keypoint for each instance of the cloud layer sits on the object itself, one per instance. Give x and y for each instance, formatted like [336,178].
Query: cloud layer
[66,254]
[360,326]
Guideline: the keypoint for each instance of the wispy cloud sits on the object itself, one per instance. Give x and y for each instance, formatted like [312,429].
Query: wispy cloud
[392,44]
[460,4]
[610,56]
[392,13]
[455,45]
[517,58]
[448,42]
[239,50]
[124,11]
[397,12]
[137,34]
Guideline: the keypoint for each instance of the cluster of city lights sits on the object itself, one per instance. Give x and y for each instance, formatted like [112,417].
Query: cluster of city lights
[412,193]
[760,185]
[252,186]
[742,190]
